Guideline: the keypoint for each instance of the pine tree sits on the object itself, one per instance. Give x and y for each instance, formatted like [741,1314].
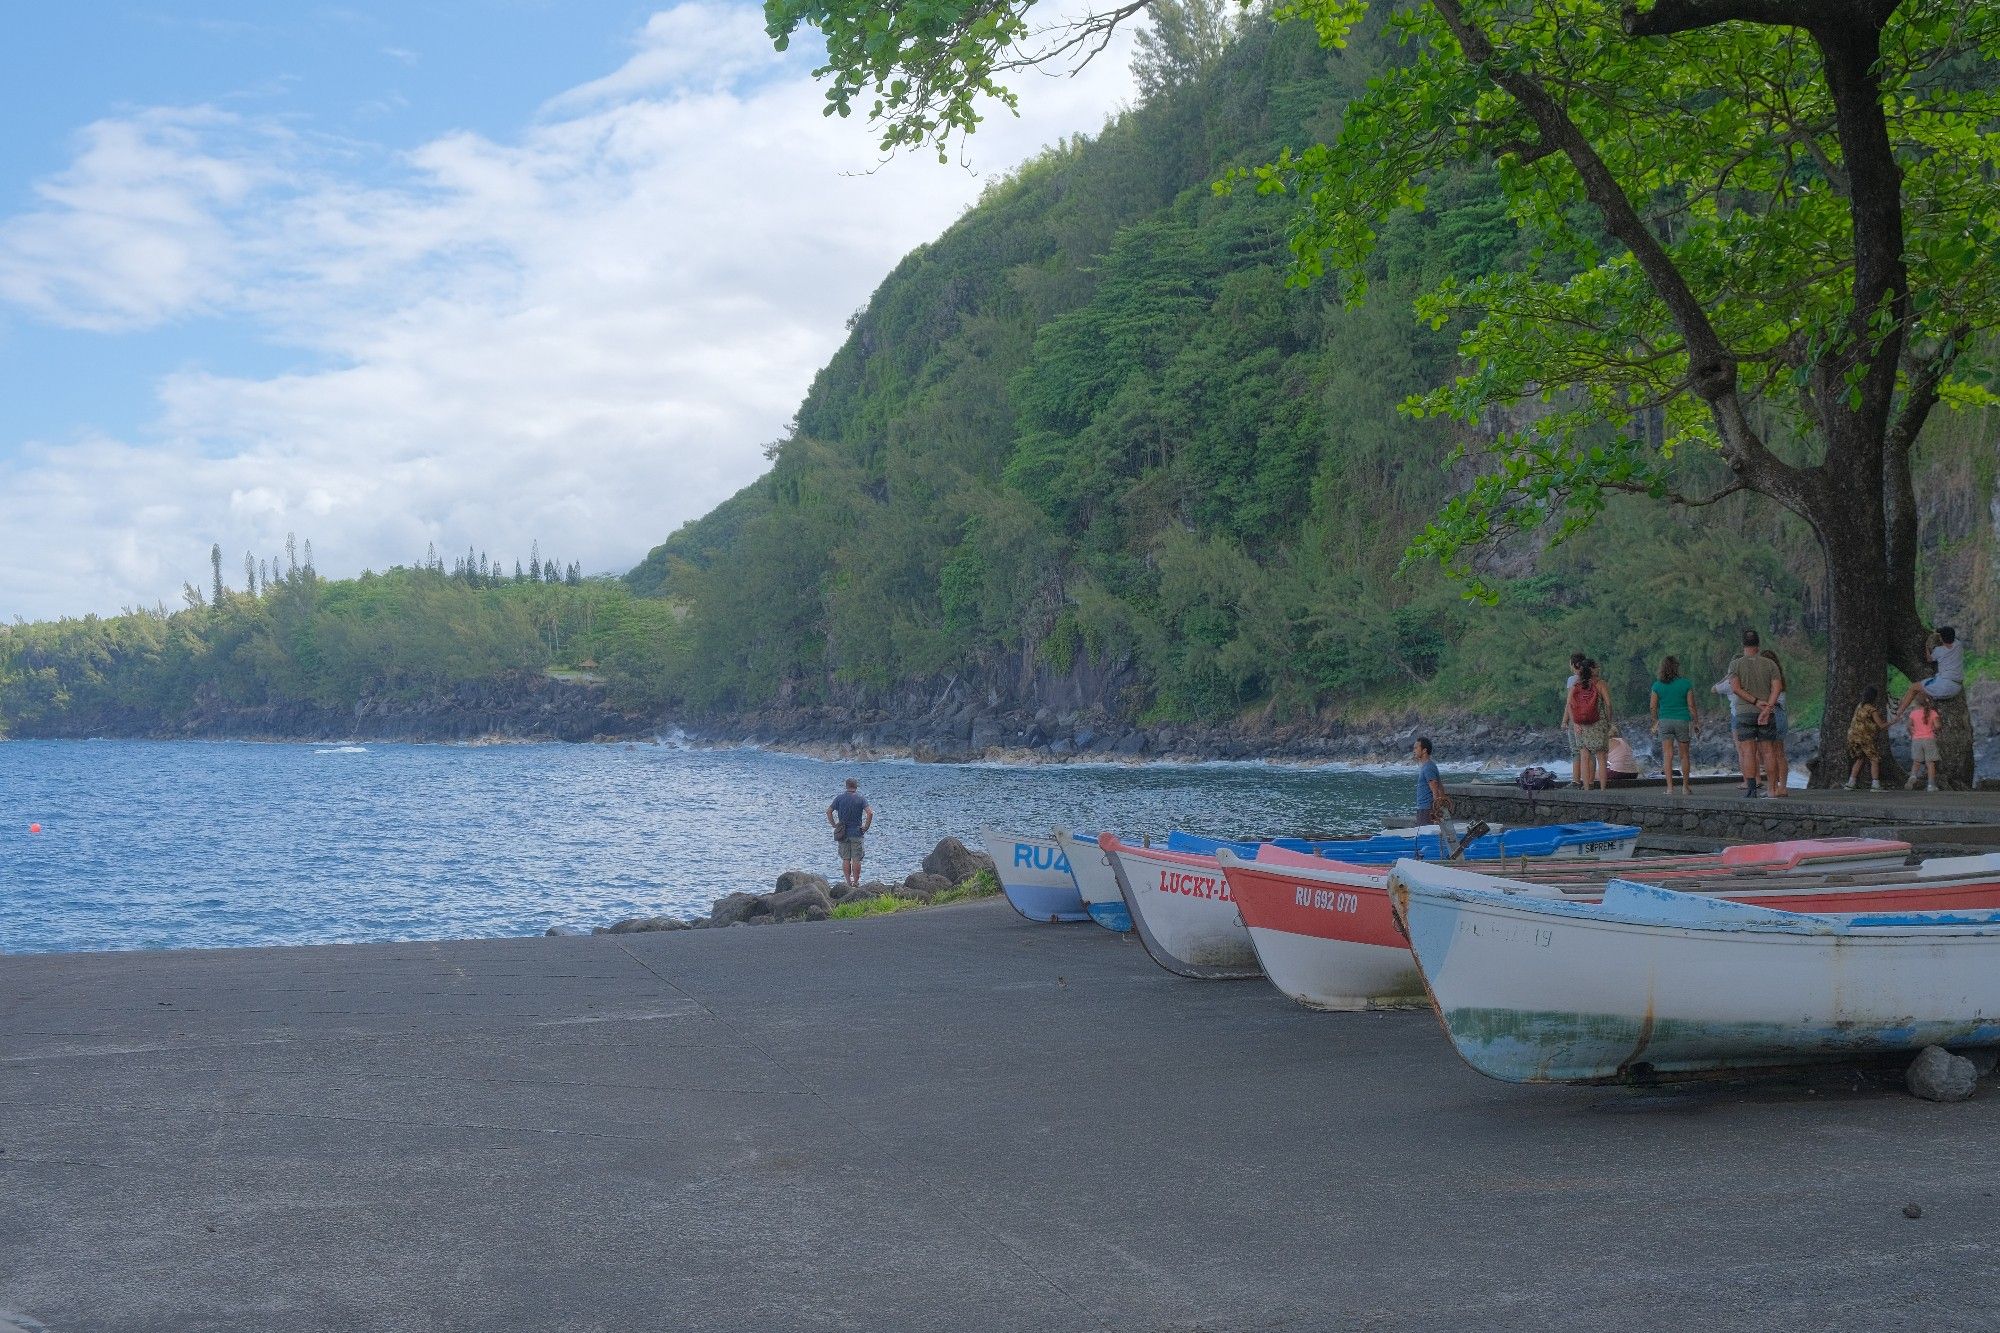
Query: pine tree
[520,575]
[291,555]
[215,566]
[249,574]
[535,562]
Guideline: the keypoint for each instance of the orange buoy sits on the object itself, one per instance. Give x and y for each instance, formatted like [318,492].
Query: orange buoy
[34,828]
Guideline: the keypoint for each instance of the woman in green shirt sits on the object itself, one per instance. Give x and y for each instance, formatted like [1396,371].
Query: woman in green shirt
[1676,720]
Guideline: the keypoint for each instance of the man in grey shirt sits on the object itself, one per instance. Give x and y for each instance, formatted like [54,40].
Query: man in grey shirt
[851,817]
[1754,680]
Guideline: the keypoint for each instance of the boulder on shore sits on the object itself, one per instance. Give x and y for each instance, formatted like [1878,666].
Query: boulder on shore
[636,925]
[1937,1075]
[922,886]
[955,861]
[806,902]
[734,908]
[850,893]
[802,879]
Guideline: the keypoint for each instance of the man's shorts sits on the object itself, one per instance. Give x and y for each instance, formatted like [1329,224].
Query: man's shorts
[1675,728]
[1941,689]
[850,848]
[1756,731]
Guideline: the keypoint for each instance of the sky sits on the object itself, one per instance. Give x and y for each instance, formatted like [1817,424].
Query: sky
[389,275]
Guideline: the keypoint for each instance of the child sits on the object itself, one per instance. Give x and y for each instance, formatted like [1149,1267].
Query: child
[1864,740]
[1923,742]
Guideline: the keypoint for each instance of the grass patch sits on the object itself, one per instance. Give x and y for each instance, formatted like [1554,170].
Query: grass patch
[982,885]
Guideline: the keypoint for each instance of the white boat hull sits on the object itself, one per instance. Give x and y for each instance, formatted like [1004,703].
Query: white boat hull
[1181,907]
[1338,975]
[1096,882]
[1538,991]
[1035,876]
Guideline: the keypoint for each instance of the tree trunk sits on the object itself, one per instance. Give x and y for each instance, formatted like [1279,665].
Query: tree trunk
[1858,634]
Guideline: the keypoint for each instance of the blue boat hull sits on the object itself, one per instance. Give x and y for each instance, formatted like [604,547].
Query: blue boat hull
[1042,904]
[1112,916]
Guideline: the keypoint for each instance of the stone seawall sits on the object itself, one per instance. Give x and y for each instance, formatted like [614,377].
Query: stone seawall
[1720,815]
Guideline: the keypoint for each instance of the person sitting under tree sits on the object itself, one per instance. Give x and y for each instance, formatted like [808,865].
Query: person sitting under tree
[851,817]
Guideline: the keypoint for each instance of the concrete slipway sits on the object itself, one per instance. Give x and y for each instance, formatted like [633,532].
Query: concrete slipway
[944,1120]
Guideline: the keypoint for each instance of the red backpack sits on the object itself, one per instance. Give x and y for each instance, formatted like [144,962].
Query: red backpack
[1583,704]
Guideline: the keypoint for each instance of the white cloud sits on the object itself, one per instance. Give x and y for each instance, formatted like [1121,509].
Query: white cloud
[702,42]
[582,335]
[137,229]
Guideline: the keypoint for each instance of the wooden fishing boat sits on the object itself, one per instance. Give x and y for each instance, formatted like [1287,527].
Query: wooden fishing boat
[1180,906]
[1325,936]
[1034,874]
[1650,981]
[1096,881]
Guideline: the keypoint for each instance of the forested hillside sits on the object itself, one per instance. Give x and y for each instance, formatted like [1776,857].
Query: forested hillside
[1091,447]
[423,652]
[1092,452]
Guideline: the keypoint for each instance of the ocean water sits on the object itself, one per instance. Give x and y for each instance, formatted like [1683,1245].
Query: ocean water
[172,844]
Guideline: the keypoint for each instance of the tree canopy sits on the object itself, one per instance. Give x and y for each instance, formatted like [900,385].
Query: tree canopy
[1760,228]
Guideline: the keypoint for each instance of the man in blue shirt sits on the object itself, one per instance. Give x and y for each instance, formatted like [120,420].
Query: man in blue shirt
[851,817]
[1432,803]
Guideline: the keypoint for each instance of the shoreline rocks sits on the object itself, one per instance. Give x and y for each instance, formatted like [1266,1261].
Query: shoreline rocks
[801,895]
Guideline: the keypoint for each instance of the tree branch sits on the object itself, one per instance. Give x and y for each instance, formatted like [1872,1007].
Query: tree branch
[1712,368]
[1675,497]
[1899,494]
[1667,17]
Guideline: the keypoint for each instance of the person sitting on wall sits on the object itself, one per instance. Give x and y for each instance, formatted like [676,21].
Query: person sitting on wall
[1620,764]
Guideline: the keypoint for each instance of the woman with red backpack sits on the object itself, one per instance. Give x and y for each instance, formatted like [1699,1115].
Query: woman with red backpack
[1588,712]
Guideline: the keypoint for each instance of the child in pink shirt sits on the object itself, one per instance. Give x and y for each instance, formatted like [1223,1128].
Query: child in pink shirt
[1923,744]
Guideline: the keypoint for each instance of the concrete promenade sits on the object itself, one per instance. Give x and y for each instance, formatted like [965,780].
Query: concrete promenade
[947,1120]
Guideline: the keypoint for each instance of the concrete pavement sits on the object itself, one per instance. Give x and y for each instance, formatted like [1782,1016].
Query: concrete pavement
[942,1120]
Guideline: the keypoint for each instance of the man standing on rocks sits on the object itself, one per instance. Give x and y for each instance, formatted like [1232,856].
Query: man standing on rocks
[851,817]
